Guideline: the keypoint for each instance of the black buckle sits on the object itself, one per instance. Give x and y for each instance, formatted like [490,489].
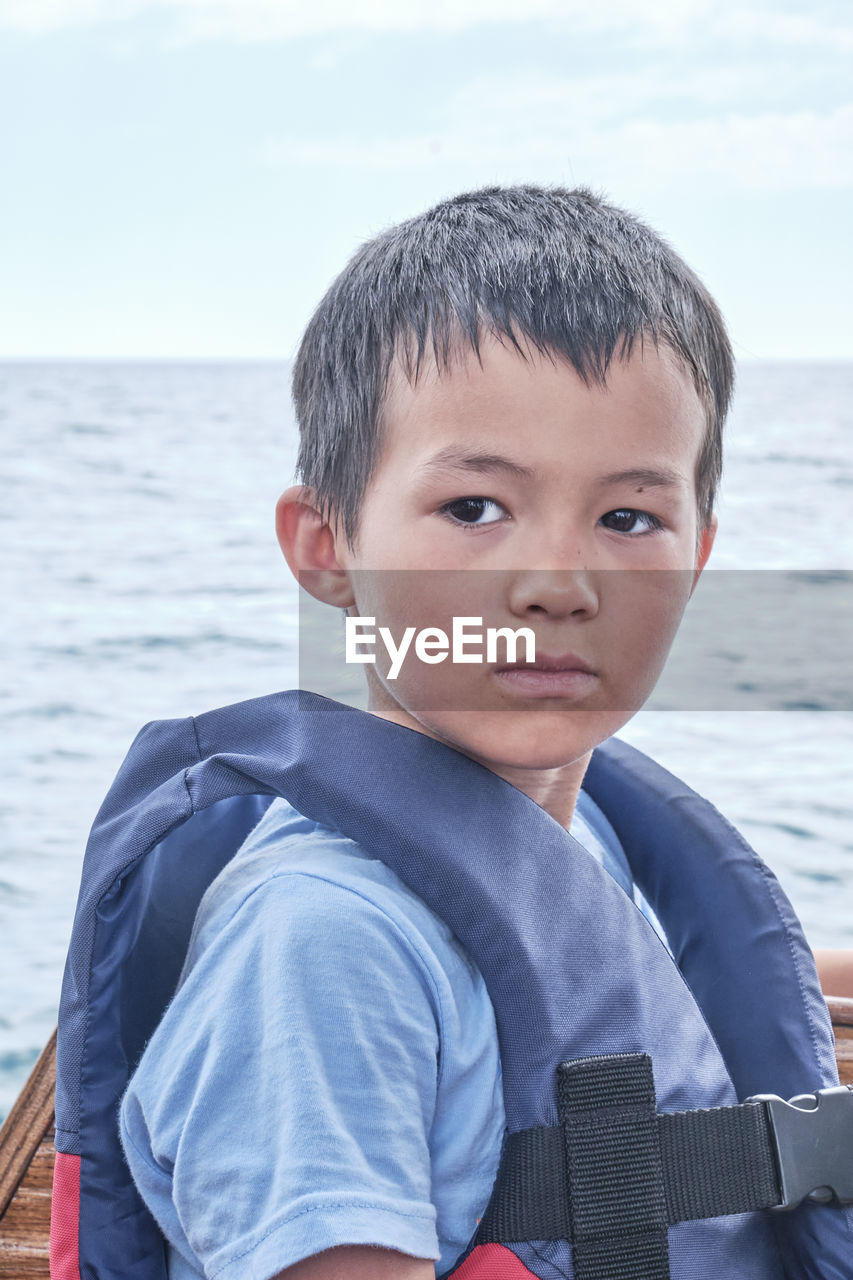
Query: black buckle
[814,1145]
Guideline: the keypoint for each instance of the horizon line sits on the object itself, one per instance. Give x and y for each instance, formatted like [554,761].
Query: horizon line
[288,359]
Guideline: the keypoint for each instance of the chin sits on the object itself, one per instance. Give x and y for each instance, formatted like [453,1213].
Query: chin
[537,740]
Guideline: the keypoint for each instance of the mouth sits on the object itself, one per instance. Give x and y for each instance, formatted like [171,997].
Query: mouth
[548,677]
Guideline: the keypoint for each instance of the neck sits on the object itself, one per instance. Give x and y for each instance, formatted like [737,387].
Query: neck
[554,789]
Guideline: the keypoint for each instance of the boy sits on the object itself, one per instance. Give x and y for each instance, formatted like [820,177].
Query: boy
[523,382]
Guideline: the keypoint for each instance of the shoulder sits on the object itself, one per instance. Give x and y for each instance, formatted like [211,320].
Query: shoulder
[307,895]
[326,1008]
[306,936]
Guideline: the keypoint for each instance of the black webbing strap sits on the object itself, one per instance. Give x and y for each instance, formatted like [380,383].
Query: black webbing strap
[606,1108]
[613,1174]
[718,1161]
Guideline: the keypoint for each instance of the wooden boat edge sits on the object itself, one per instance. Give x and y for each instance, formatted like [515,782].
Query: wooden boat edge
[27,1123]
[26,1155]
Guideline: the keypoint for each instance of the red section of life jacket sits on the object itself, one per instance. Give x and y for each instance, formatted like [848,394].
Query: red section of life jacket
[65,1218]
[492,1262]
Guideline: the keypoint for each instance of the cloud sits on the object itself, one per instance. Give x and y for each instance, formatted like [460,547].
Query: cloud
[769,151]
[665,22]
[648,132]
[37,17]
[796,30]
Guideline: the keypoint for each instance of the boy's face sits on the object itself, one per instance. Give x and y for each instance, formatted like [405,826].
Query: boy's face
[545,486]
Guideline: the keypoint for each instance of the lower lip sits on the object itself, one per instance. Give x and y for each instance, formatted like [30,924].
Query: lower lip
[535,683]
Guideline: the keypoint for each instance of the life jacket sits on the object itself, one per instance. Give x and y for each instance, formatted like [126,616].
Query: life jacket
[574,971]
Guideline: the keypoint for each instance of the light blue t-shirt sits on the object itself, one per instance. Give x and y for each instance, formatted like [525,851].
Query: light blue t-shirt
[328,1071]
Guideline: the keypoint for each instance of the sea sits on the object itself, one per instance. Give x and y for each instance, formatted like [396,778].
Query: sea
[142,579]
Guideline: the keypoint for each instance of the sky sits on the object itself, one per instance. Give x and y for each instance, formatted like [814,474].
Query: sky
[184,178]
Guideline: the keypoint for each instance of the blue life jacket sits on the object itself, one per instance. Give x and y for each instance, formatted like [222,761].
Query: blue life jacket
[573,969]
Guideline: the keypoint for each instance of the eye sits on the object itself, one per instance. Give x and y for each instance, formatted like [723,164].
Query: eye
[629,520]
[474,511]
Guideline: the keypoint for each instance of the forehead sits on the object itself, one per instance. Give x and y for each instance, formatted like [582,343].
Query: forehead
[539,406]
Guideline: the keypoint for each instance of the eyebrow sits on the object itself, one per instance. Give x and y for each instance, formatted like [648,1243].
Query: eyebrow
[643,477]
[452,459]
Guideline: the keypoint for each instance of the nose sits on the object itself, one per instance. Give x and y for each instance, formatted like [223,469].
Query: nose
[559,593]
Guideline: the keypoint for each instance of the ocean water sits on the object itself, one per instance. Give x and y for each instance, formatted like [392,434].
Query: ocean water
[141,579]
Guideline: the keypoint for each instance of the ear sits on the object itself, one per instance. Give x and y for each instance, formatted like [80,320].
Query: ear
[706,542]
[309,545]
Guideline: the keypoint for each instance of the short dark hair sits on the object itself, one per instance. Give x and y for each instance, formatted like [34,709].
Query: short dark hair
[565,270]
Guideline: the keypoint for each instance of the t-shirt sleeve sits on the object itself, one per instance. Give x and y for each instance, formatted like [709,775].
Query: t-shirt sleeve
[284,1103]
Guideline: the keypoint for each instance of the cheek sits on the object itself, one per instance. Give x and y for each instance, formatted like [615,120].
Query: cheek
[415,600]
[420,598]
[638,620]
